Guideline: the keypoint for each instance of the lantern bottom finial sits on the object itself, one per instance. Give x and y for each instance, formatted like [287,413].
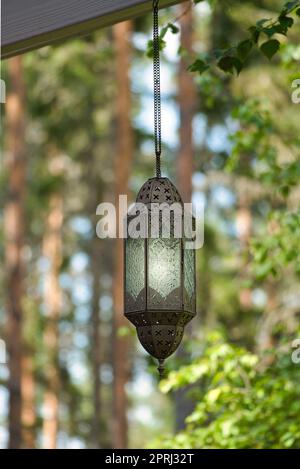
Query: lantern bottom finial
[161,368]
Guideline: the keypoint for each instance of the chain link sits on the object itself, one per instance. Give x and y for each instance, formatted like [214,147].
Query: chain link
[156,88]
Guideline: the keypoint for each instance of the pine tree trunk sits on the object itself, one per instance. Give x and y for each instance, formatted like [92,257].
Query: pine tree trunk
[187,99]
[14,239]
[28,400]
[124,155]
[96,265]
[52,250]
[96,349]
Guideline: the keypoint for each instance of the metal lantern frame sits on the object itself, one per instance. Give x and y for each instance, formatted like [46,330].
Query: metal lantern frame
[160,328]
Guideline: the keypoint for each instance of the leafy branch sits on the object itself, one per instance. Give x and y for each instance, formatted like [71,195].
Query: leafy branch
[264,36]
[233,59]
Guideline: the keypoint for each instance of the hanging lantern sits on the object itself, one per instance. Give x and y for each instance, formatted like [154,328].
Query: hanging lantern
[160,287]
[160,296]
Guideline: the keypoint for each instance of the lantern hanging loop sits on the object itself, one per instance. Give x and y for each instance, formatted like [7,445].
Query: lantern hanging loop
[156,88]
[161,367]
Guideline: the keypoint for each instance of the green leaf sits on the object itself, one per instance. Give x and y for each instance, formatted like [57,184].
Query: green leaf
[255,33]
[279,29]
[198,66]
[173,28]
[163,31]
[162,45]
[230,63]
[298,12]
[170,26]
[272,30]
[270,48]
[244,48]
[286,21]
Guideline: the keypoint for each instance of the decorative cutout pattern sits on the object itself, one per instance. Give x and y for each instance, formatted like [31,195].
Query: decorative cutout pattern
[159,191]
[160,341]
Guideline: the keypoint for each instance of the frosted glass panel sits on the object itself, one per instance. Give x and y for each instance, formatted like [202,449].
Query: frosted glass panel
[135,274]
[164,273]
[189,279]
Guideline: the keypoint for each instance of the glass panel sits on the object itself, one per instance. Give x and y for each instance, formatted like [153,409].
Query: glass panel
[135,274]
[164,273]
[189,280]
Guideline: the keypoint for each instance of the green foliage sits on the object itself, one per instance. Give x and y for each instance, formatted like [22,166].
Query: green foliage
[270,47]
[245,398]
[233,58]
[253,138]
[244,48]
[198,66]
[242,398]
[272,254]
[240,403]
[162,43]
[229,63]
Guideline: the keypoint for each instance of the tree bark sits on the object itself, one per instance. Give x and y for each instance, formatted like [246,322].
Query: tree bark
[96,349]
[187,100]
[96,264]
[14,241]
[52,250]
[124,155]
[28,400]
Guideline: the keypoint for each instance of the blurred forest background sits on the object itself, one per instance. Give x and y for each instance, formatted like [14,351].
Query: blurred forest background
[78,131]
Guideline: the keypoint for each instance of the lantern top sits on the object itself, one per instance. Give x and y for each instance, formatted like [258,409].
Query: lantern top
[158,190]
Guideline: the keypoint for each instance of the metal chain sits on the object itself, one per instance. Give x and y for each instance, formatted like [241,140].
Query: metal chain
[156,88]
